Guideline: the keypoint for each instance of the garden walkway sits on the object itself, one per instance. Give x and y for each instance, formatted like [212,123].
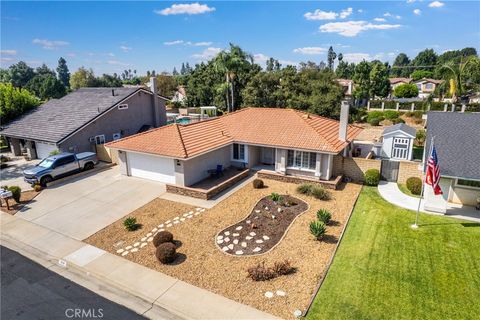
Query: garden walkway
[390,192]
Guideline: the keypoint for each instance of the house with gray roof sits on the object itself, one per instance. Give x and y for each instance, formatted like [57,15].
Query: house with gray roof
[397,142]
[457,143]
[84,119]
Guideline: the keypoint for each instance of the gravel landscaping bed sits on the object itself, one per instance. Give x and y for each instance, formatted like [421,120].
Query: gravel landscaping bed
[263,228]
[202,264]
[25,198]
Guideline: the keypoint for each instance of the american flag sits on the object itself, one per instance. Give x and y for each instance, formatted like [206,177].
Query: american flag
[433,172]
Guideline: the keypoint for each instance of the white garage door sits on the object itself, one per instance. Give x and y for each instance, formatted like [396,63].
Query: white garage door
[44,149]
[151,167]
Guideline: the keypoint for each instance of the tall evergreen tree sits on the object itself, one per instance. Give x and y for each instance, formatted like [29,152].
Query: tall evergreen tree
[63,72]
[183,71]
[331,56]
[175,72]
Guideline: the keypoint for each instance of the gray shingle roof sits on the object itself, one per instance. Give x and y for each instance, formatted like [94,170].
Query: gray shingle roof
[54,120]
[400,126]
[457,141]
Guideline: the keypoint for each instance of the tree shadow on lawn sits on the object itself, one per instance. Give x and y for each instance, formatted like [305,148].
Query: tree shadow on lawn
[464,224]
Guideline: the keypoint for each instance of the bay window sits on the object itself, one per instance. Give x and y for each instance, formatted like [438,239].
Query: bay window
[301,160]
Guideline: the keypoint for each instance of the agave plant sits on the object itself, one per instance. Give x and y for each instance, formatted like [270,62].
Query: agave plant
[324,215]
[318,229]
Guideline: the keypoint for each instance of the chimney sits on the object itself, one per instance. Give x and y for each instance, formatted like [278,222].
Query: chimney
[342,128]
[156,107]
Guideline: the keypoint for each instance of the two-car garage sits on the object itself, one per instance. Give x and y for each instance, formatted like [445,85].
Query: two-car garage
[150,167]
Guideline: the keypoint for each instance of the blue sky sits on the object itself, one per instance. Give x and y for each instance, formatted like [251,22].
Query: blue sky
[112,36]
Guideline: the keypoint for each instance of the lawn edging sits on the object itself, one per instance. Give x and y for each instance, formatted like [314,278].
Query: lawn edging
[325,273]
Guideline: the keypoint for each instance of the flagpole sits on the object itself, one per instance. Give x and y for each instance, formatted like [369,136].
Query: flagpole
[415,225]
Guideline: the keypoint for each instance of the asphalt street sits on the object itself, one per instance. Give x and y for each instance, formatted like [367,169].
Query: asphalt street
[30,291]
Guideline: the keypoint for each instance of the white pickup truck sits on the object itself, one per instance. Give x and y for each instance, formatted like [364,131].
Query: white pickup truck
[58,166]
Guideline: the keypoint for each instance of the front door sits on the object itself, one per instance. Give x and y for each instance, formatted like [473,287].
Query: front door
[268,155]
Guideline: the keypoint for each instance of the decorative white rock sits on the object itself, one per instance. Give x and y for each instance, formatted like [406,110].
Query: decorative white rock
[239,228]
[280,293]
[227,239]
[201,210]
[149,234]
[154,229]
[168,221]
[176,221]
[239,252]
[198,209]
[253,234]
[220,241]
[169,225]
[160,225]
[244,244]
[134,250]
[160,230]
[150,239]
[128,247]
[182,219]
[273,217]
[120,250]
[257,249]
[257,211]
[190,212]
[186,214]
[297,313]
[230,246]
[235,234]
[279,210]
[176,218]
[124,254]
[269,294]
[136,244]
[219,237]
[189,217]
[259,241]
[197,213]
[225,248]
[143,239]
[248,221]
[227,233]
[143,244]
[248,238]
[266,208]
[266,238]
[235,241]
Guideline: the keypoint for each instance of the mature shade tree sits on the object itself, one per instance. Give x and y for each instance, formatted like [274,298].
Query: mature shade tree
[309,65]
[420,74]
[406,90]
[82,78]
[44,70]
[63,72]
[362,80]
[166,85]
[345,70]
[15,101]
[273,65]
[425,60]
[109,81]
[20,74]
[331,56]
[379,82]
[46,86]
[456,56]
[400,66]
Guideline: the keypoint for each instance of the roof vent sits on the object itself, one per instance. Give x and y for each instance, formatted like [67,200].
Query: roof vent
[113,92]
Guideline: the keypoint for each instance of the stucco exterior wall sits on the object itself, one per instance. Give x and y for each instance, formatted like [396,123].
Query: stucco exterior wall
[196,168]
[254,154]
[127,121]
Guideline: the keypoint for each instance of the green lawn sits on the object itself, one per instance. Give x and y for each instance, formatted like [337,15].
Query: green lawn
[383,269]
[404,189]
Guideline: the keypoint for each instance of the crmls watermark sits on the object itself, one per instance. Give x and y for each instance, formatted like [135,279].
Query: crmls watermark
[89,313]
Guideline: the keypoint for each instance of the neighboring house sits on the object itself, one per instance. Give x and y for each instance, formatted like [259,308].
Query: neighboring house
[474,98]
[347,86]
[395,82]
[83,119]
[286,141]
[397,142]
[426,87]
[457,144]
[180,95]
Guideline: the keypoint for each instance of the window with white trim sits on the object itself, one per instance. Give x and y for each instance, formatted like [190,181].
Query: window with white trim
[100,139]
[301,160]
[465,183]
[238,152]
[122,106]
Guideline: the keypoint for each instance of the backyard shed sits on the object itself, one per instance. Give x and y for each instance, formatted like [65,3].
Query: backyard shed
[397,142]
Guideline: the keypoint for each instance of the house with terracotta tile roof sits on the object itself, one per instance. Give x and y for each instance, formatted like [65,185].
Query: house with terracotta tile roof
[285,141]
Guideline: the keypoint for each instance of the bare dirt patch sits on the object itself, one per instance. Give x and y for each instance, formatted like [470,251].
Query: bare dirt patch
[204,265]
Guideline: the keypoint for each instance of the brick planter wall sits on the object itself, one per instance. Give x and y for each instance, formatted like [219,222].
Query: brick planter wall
[331,184]
[408,169]
[210,193]
[354,168]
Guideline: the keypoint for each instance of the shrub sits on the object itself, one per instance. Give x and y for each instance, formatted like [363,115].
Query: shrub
[375,115]
[258,184]
[166,252]
[420,137]
[414,114]
[130,223]
[398,120]
[406,90]
[304,188]
[375,121]
[275,197]
[261,273]
[54,152]
[162,237]
[282,268]
[320,193]
[414,184]
[317,228]
[324,215]
[16,193]
[391,114]
[372,177]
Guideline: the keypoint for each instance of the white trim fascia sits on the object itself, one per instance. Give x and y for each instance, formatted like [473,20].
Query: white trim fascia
[390,133]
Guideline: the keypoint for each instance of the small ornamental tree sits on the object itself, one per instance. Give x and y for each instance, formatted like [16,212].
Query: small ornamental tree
[406,90]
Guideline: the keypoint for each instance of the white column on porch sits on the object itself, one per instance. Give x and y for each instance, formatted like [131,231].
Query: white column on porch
[280,160]
[318,165]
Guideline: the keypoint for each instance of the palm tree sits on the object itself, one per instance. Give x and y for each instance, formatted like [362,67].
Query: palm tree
[458,73]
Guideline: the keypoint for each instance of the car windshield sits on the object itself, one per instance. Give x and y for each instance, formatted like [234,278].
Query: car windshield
[46,163]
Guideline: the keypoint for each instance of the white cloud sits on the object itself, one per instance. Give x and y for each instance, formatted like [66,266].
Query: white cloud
[7,59]
[320,15]
[207,54]
[288,63]
[410,1]
[345,13]
[188,43]
[310,50]
[202,44]
[417,12]
[8,52]
[172,43]
[436,4]
[353,28]
[50,44]
[111,54]
[388,14]
[328,15]
[380,19]
[260,58]
[360,10]
[118,63]
[72,54]
[191,8]
[125,48]
[356,57]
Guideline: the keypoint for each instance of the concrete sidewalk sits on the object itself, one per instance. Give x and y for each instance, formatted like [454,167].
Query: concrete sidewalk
[156,295]
[391,193]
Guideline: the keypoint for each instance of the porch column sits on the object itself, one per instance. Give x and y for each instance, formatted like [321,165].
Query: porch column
[281,160]
[15,147]
[318,165]
[31,152]
[328,171]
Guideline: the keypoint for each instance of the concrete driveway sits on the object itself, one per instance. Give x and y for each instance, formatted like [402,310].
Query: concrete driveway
[81,206]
